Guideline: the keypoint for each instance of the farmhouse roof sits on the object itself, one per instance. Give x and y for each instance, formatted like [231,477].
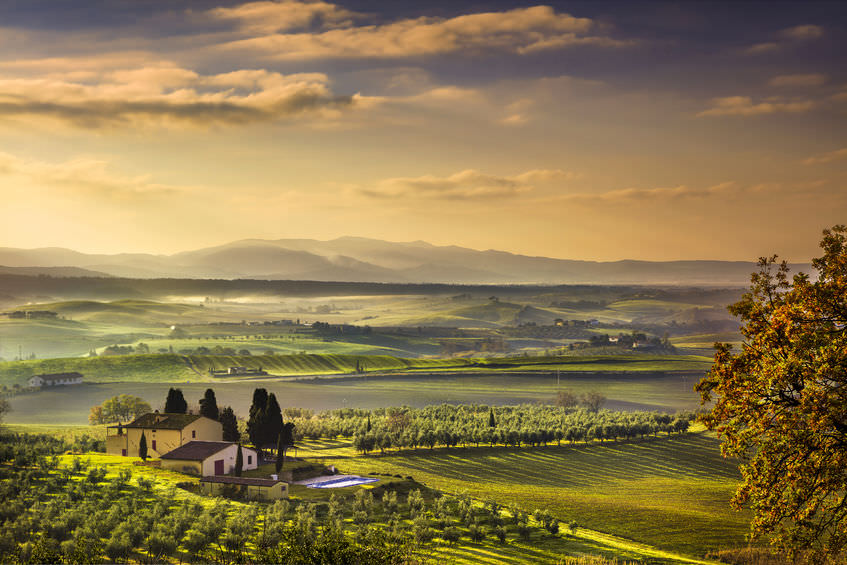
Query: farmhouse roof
[250,481]
[58,376]
[197,450]
[163,421]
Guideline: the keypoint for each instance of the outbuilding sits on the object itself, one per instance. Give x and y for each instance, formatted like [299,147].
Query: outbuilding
[207,458]
[249,487]
[55,379]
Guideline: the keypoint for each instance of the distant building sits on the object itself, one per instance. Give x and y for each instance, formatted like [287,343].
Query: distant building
[237,372]
[252,488]
[207,458]
[55,379]
[163,433]
[32,315]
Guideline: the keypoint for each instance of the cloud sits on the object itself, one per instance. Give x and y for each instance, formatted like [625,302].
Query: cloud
[803,32]
[522,30]
[810,79]
[786,38]
[836,155]
[766,47]
[465,185]
[640,194]
[744,106]
[89,175]
[273,17]
[167,95]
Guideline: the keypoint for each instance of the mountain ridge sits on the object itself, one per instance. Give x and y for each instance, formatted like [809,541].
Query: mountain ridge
[357,259]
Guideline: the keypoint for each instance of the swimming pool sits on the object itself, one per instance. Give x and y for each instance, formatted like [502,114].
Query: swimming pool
[337,481]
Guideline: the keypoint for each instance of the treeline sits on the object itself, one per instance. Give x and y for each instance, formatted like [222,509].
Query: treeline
[466,425]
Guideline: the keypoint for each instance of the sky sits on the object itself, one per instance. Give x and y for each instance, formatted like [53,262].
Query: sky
[584,130]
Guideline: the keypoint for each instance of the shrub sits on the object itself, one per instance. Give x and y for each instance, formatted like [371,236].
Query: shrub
[451,534]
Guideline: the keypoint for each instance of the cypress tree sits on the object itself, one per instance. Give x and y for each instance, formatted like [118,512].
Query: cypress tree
[239,462]
[280,453]
[142,447]
[230,424]
[272,421]
[209,405]
[369,422]
[255,423]
[175,403]
[491,422]
[286,440]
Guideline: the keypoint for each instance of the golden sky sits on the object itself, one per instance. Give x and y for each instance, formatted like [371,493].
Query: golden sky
[577,130]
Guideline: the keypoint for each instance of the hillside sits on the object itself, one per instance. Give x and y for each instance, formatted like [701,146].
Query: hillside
[175,368]
[368,260]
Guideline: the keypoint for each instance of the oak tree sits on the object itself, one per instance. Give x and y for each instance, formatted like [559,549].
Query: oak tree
[780,403]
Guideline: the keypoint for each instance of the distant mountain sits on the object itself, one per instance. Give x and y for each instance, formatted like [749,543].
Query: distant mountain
[355,259]
[51,271]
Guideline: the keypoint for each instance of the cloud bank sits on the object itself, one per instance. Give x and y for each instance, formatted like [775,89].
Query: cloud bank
[522,30]
[166,94]
[465,185]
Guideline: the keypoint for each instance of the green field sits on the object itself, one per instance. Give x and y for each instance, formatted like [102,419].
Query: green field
[669,493]
[242,322]
[194,368]
[633,391]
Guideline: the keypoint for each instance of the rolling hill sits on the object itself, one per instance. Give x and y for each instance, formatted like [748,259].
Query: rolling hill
[350,259]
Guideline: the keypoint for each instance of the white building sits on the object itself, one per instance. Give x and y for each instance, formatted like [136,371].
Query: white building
[55,379]
[208,458]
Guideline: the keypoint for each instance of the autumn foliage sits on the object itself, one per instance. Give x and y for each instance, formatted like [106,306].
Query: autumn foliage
[780,404]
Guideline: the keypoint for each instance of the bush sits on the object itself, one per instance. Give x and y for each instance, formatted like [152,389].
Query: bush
[451,534]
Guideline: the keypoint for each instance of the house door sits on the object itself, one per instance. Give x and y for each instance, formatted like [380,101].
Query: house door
[123,452]
[154,445]
[219,467]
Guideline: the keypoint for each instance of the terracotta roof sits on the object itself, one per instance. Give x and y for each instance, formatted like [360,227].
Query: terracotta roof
[165,421]
[197,450]
[250,481]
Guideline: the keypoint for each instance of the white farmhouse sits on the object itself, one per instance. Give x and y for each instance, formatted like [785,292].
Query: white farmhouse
[55,379]
[208,458]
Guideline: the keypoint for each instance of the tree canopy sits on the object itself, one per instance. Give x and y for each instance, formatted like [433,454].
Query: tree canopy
[230,425]
[265,421]
[120,408]
[780,403]
[175,403]
[209,405]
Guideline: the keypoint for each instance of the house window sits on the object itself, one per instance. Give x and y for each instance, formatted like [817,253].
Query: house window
[249,459]
[193,434]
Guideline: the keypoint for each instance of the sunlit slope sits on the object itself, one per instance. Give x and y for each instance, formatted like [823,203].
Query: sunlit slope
[181,368]
[669,493]
[125,312]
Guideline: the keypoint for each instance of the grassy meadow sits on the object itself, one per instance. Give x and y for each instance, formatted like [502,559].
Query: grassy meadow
[668,493]
[624,391]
